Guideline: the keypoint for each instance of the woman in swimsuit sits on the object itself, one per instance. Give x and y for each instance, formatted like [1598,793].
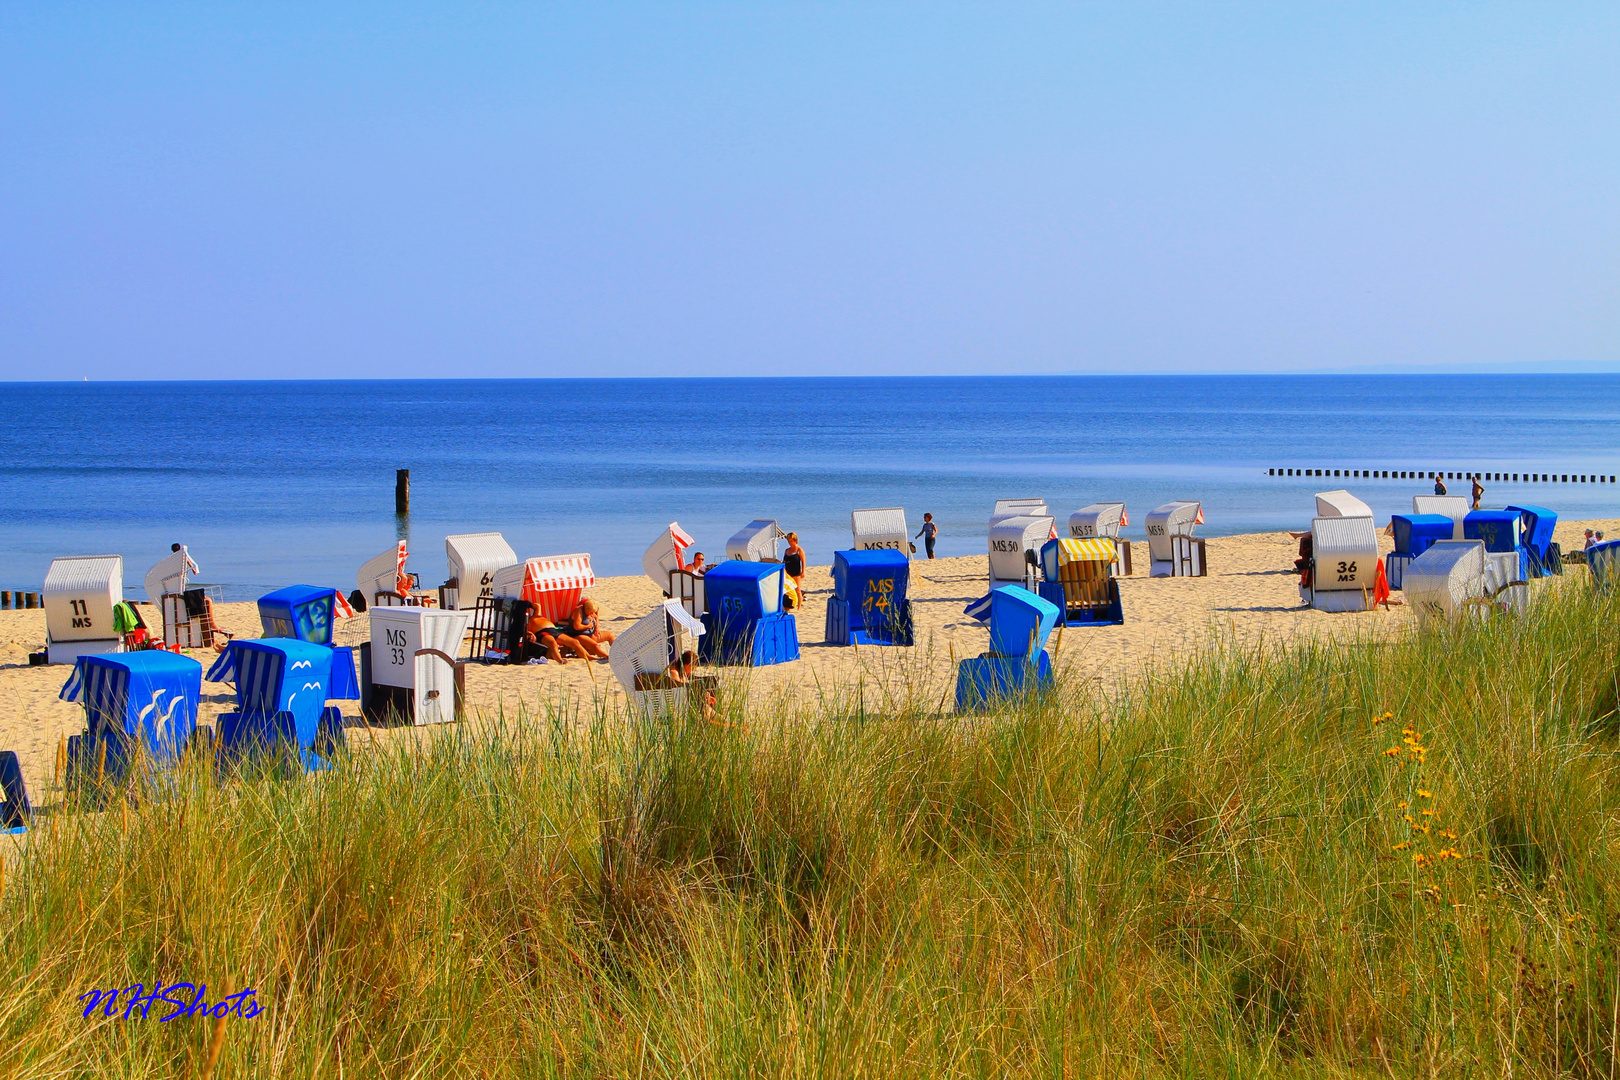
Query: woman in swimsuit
[793,564]
[549,640]
[583,626]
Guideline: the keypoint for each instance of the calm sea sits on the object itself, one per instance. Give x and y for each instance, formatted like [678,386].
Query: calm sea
[279,483]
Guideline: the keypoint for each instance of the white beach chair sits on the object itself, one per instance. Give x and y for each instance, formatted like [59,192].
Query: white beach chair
[1440,582]
[1006,508]
[1331,504]
[382,579]
[666,555]
[1173,551]
[647,649]
[166,587]
[472,559]
[880,528]
[1454,507]
[80,593]
[1010,539]
[756,541]
[1345,553]
[413,661]
[1101,520]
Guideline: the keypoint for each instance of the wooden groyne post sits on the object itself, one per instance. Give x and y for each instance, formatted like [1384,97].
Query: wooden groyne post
[402,491]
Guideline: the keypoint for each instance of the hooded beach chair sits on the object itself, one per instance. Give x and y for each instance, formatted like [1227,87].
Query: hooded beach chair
[1006,508]
[140,703]
[880,528]
[664,563]
[1015,545]
[1104,520]
[553,584]
[1340,503]
[1454,507]
[1345,571]
[746,623]
[1440,582]
[302,612]
[1413,534]
[472,559]
[1543,556]
[80,593]
[1601,560]
[1080,582]
[643,654]
[188,620]
[1016,664]
[756,541]
[382,580]
[415,670]
[1505,557]
[869,604]
[283,687]
[1173,551]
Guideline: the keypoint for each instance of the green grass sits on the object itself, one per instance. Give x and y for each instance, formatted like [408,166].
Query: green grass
[1202,875]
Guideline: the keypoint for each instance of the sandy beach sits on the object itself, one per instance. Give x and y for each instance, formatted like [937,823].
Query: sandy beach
[1250,594]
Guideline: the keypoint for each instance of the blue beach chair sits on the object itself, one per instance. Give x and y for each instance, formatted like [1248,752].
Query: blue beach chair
[869,604]
[1543,556]
[282,689]
[1017,664]
[301,612]
[134,703]
[745,623]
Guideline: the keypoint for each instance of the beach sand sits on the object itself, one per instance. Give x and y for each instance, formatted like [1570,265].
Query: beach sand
[1251,595]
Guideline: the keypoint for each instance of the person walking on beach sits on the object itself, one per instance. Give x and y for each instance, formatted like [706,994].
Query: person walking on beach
[928,532]
[793,564]
[1479,491]
[1439,483]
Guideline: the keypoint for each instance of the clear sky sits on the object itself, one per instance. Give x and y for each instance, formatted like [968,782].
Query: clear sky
[274,190]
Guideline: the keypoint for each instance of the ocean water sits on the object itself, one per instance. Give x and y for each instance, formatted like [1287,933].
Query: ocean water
[277,483]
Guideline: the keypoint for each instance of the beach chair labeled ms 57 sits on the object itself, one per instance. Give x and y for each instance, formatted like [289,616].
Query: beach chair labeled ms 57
[1017,664]
[140,703]
[1104,519]
[869,604]
[745,623]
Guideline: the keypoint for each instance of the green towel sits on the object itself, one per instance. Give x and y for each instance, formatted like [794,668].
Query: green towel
[126,618]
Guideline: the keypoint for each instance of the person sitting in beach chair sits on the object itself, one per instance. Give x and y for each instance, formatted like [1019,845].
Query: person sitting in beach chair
[585,627]
[545,638]
[697,568]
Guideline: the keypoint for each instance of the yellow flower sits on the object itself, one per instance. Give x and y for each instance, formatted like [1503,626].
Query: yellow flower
[1393,751]
[1428,813]
[1424,794]
[1389,716]
[1403,805]
[1402,845]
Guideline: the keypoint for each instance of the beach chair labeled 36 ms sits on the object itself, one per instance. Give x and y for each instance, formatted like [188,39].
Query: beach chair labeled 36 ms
[1017,664]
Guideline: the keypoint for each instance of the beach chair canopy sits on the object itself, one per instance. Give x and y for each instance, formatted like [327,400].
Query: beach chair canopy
[1454,507]
[1056,554]
[301,612]
[873,582]
[552,583]
[285,675]
[666,555]
[80,592]
[170,576]
[881,528]
[472,559]
[384,573]
[150,695]
[1020,621]
[1346,554]
[1009,539]
[1415,532]
[653,643]
[1497,529]
[1172,519]
[1006,508]
[746,591]
[1098,519]
[756,541]
[1340,504]
[1443,577]
[1536,525]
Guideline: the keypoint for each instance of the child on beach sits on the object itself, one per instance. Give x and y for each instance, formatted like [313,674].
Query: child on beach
[928,532]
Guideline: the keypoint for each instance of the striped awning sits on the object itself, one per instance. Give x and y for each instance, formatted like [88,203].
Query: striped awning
[1095,549]
[553,583]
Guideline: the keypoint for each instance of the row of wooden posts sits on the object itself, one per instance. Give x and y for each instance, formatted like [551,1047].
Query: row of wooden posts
[1484,477]
[19,600]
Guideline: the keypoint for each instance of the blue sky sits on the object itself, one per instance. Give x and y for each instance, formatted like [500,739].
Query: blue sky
[264,191]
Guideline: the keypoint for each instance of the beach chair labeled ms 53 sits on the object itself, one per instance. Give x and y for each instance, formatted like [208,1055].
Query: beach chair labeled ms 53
[1017,664]
[880,528]
[80,594]
[869,604]
[134,703]
[745,623]
[283,687]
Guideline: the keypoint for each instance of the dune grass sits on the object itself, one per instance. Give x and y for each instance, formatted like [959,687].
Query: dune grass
[1221,870]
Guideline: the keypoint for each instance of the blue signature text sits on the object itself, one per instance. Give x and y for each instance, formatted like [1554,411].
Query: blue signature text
[187,999]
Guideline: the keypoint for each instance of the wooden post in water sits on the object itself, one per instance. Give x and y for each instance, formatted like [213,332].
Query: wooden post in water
[402,491]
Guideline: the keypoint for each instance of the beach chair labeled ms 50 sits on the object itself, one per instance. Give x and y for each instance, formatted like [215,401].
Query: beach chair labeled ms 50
[1080,580]
[141,703]
[1014,545]
[283,687]
[1017,664]
[869,604]
[745,623]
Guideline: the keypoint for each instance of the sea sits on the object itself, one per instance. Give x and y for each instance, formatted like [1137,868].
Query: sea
[278,483]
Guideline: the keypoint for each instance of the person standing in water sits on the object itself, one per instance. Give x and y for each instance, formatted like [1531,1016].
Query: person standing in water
[928,532]
[1439,483]
[1479,491]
